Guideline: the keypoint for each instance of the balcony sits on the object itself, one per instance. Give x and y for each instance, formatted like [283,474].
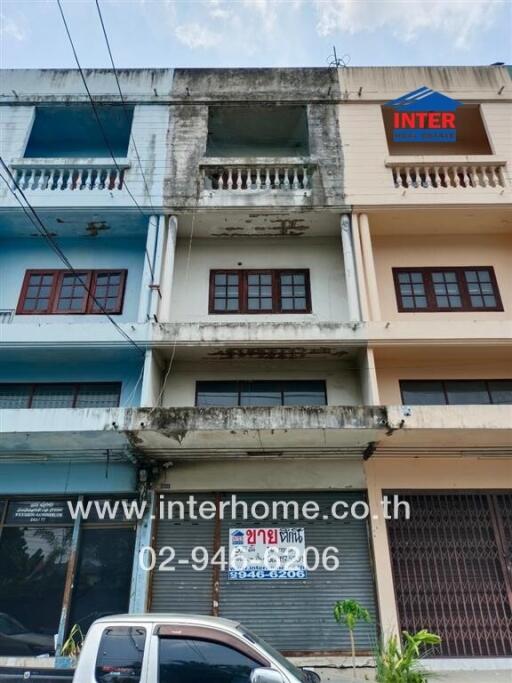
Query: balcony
[242,181]
[464,173]
[63,175]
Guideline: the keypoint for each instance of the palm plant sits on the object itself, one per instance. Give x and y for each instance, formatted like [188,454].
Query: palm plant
[397,664]
[349,613]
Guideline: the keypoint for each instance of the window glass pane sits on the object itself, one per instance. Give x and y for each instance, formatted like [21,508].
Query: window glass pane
[194,661]
[307,393]
[102,583]
[53,396]
[72,292]
[107,293]
[462,392]
[120,655]
[37,297]
[226,292]
[446,290]
[259,291]
[422,392]
[97,395]
[32,575]
[480,288]
[501,390]
[14,395]
[293,298]
[260,394]
[412,290]
[222,394]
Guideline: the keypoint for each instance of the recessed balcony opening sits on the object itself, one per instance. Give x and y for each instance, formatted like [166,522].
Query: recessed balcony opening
[71,131]
[470,130]
[257,131]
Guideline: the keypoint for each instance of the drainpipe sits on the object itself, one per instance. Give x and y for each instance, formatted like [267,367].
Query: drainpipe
[158,265]
[350,269]
[139,588]
[147,278]
[363,297]
[369,266]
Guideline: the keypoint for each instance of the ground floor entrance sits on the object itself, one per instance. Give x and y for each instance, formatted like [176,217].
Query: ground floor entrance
[452,570]
[293,611]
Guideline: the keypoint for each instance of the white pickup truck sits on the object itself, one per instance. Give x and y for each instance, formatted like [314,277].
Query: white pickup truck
[177,648]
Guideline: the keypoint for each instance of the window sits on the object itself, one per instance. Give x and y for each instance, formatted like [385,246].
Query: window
[72,131]
[64,292]
[456,392]
[120,654]
[446,289]
[65,395]
[259,291]
[189,660]
[261,393]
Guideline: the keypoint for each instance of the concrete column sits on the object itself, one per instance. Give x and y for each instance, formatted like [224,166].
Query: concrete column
[147,278]
[350,269]
[369,267]
[164,311]
[382,557]
[151,380]
[139,588]
[358,258]
[155,290]
[369,379]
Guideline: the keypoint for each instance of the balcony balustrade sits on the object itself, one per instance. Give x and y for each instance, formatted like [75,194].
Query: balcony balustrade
[449,175]
[6,315]
[257,177]
[69,177]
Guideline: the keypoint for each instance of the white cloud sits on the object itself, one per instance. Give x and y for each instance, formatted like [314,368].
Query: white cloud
[194,35]
[459,20]
[217,10]
[12,29]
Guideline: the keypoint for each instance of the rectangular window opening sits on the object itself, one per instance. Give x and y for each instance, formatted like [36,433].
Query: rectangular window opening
[456,392]
[63,395]
[261,393]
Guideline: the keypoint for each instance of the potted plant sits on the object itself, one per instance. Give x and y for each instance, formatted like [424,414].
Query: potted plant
[349,613]
[397,664]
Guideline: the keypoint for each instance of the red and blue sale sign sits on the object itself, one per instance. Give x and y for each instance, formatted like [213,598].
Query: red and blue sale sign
[424,115]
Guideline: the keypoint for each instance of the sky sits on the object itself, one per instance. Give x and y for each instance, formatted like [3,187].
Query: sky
[245,33]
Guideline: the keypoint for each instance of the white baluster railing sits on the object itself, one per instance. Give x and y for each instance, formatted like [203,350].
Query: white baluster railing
[256,178]
[38,177]
[457,176]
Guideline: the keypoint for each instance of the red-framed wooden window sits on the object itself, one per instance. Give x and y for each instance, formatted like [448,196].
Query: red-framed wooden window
[60,395]
[259,291]
[447,289]
[64,292]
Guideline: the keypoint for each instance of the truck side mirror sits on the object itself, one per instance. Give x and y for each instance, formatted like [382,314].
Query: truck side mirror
[266,676]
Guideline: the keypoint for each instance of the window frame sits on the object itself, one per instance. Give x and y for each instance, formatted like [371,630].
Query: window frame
[443,383]
[243,277]
[430,295]
[240,382]
[89,277]
[32,386]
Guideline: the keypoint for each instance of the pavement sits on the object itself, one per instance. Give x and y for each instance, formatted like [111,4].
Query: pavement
[367,675]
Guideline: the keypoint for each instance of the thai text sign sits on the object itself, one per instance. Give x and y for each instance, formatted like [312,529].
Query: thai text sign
[267,553]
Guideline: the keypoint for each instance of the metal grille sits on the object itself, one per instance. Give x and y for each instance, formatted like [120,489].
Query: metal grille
[450,575]
[296,615]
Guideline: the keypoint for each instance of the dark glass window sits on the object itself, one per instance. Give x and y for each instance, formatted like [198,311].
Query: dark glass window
[264,291]
[261,393]
[102,583]
[186,660]
[120,655]
[451,289]
[33,569]
[226,298]
[456,392]
[65,395]
[61,292]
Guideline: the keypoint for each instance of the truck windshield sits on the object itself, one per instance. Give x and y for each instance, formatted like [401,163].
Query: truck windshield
[300,674]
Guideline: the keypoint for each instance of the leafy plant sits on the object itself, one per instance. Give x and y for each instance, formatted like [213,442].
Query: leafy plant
[74,642]
[349,613]
[397,664]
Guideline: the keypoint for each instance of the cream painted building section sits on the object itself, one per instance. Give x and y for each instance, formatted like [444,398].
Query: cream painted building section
[322,256]
[385,474]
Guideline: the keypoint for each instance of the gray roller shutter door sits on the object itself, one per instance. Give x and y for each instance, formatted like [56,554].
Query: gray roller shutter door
[183,590]
[297,615]
[294,616]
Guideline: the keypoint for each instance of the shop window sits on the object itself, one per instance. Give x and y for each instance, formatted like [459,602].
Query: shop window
[33,566]
[446,289]
[65,395]
[102,583]
[259,291]
[189,660]
[61,292]
[258,130]
[120,654]
[261,393]
[64,131]
[456,392]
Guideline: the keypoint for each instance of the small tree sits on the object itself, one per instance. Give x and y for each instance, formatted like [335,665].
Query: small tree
[348,613]
[397,664]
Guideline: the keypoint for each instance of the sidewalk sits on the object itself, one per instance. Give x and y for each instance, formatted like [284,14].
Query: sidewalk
[345,676]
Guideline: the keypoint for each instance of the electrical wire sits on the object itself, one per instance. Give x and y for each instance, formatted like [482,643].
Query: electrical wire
[44,232]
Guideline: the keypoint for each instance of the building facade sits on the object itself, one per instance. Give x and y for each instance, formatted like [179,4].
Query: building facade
[235,283]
